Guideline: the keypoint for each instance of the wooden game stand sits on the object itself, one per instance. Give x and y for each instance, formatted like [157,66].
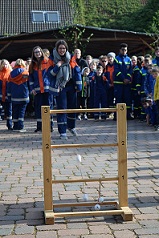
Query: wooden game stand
[122,204]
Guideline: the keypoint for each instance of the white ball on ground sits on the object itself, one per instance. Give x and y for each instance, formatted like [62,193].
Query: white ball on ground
[85,197]
[97,207]
[79,158]
[101,199]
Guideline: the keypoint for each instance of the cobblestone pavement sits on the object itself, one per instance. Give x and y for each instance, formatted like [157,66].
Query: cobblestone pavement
[21,181]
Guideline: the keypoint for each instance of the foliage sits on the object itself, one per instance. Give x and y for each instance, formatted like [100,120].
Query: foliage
[129,15]
[74,38]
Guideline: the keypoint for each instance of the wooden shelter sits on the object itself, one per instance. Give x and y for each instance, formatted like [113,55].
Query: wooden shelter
[102,41]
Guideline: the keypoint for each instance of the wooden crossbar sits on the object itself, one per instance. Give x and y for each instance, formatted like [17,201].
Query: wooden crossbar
[57,111]
[82,145]
[85,180]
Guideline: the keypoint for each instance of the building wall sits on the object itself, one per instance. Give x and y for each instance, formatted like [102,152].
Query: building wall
[15,15]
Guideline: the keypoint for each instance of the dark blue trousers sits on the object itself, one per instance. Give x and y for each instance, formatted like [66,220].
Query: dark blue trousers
[67,99]
[122,94]
[18,115]
[7,110]
[42,99]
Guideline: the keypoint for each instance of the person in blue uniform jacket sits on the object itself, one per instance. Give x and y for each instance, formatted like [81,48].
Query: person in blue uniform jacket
[39,83]
[155,61]
[122,79]
[65,83]
[18,93]
[100,86]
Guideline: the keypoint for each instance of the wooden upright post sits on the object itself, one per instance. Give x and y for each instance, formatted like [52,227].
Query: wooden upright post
[122,161]
[47,164]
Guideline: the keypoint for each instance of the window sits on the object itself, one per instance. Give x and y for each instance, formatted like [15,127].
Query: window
[45,16]
[38,16]
[52,16]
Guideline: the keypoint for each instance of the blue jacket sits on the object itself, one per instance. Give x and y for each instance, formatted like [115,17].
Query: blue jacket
[17,88]
[39,78]
[100,83]
[155,61]
[136,76]
[122,69]
[75,75]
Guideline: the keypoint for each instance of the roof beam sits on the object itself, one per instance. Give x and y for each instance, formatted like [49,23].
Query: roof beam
[84,39]
[149,46]
[4,47]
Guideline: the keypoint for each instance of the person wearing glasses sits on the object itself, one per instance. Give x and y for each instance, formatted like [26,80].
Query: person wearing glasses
[65,84]
[122,79]
[39,83]
[104,62]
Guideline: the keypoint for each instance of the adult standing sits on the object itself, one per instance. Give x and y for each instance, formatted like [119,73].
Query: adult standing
[122,79]
[82,63]
[39,83]
[65,84]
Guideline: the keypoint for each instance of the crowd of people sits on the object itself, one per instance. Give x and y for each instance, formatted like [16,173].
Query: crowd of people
[67,81]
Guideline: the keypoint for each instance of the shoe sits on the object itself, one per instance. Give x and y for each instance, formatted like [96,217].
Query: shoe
[22,130]
[37,130]
[96,119]
[63,136]
[73,131]
[52,129]
[10,128]
[85,117]
[79,117]
[157,128]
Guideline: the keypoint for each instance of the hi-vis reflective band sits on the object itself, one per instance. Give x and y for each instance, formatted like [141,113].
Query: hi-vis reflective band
[117,82]
[118,74]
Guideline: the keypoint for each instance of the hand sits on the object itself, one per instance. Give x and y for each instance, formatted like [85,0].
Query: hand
[126,81]
[60,63]
[33,92]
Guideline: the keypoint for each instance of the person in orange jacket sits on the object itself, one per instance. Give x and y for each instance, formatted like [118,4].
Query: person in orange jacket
[5,105]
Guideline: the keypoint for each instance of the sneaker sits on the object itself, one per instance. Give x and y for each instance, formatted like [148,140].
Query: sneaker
[85,117]
[79,117]
[22,130]
[73,131]
[63,136]
[157,128]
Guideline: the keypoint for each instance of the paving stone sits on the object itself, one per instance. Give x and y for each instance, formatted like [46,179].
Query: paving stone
[21,185]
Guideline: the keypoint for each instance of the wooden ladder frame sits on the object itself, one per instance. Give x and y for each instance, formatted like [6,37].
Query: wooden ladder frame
[122,204]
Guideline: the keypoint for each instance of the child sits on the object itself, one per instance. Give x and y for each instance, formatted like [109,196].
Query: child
[90,100]
[150,111]
[155,73]
[85,90]
[5,105]
[100,87]
[18,92]
[110,70]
